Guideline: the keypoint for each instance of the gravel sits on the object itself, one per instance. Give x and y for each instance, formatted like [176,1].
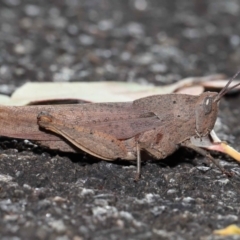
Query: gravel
[51,195]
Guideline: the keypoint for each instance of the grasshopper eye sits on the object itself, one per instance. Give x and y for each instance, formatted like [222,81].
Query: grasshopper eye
[207,105]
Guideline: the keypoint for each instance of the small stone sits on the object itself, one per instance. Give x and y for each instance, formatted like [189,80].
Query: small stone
[158,68]
[5,72]
[99,211]
[231,217]
[120,223]
[64,75]
[157,210]
[151,197]
[44,204]
[12,3]
[144,59]
[19,49]
[59,199]
[62,238]
[171,191]
[191,33]
[83,230]
[223,182]
[59,22]
[203,168]
[188,200]
[126,215]
[135,29]
[26,23]
[77,238]
[125,56]
[101,202]
[235,40]
[19,71]
[26,186]
[5,178]
[72,29]
[58,226]
[163,233]
[105,25]
[86,191]
[10,218]
[141,5]
[106,210]
[18,173]
[32,10]
[83,74]
[86,40]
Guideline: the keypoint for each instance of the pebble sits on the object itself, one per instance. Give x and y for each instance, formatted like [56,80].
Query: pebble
[105,25]
[158,68]
[86,40]
[141,5]
[12,3]
[135,29]
[32,10]
[188,200]
[58,226]
[72,29]
[172,191]
[144,59]
[20,49]
[203,168]
[139,41]
[5,178]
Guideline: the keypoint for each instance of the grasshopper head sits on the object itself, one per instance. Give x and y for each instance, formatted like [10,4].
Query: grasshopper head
[206,113]
[207,108]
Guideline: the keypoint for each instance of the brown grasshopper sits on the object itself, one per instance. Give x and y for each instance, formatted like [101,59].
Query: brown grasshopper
[158,124]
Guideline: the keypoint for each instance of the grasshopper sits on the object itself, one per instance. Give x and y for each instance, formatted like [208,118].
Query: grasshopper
[158,124]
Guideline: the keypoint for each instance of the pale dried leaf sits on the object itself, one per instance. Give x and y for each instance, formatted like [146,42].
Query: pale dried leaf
[96,91]
[194,90]
[225,148]
[4,100]
[219,84]
[212,142]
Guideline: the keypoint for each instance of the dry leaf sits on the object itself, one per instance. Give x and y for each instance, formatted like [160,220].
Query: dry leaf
[212,142]
[33,92]
[219,84]
[230,230]
[225,148]
[194,90]
[4,100]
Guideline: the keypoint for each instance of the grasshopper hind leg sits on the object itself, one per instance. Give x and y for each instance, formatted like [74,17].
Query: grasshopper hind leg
[94,142]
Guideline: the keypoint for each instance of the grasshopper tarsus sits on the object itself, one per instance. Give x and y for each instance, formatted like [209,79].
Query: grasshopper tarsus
[137,177]
[229,174]
[208,156]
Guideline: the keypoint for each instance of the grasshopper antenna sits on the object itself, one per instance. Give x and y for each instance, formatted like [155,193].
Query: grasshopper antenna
[226,89]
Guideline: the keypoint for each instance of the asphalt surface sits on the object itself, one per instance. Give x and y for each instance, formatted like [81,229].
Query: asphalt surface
[51,195]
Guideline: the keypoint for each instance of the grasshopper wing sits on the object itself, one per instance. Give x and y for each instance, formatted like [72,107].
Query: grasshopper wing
[120,120]
[128,128]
